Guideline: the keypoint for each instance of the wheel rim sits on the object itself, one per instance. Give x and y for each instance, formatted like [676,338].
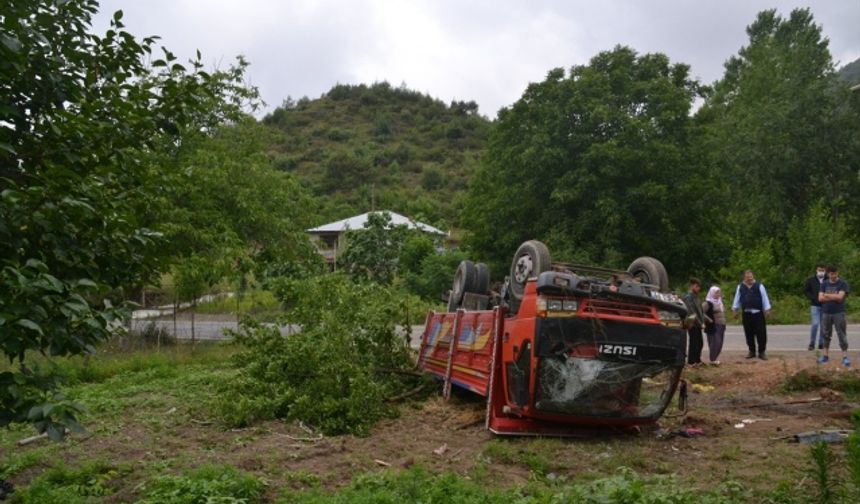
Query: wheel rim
[456,291]
[643,277]
[523,269]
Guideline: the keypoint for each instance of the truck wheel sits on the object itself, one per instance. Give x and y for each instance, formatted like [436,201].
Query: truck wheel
[530,260]
[651,271]
[482,286]
[465,280]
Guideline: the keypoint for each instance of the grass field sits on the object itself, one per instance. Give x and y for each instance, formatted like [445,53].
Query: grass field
[154,437]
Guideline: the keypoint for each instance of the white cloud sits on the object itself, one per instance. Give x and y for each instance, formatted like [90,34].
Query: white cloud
[467,50]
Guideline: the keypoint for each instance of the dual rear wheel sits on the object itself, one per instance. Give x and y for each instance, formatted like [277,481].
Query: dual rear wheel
[530,260]
[469,278]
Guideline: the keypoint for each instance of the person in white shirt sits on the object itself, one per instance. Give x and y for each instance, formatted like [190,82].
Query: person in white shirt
[751,299]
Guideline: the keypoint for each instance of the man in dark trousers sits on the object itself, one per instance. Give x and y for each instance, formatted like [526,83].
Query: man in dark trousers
[832,297]
[751,298]
[694,307]
[811,289]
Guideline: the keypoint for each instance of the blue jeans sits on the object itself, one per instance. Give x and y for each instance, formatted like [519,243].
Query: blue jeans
[815,316]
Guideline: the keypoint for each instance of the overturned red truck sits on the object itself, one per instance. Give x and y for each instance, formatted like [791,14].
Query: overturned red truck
[561,346]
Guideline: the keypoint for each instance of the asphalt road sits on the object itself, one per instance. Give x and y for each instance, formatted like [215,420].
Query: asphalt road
[780,337]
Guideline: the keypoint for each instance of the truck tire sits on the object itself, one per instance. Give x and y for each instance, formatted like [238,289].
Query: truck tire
[482,285]
[452,303]
[651,271]
[465,280]
[530,260]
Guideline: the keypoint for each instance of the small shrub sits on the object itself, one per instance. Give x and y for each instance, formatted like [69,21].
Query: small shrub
[208,484]
[64,485]
[336,372]
[823,465]
[804,381]
[17,461]
[807,380]
[852,451]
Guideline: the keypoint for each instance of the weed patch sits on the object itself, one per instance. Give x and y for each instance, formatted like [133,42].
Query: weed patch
[64,485]
[418,485]
[807,380]
[208,484]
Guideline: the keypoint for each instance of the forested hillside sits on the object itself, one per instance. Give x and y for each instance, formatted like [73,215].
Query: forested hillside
[380,146]
[850,73]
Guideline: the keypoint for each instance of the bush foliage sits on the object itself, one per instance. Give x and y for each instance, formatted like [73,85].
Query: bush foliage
[208,484]
[335,373]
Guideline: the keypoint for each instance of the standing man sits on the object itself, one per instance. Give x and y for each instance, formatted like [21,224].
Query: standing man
[811,289]
[694,307]
[832,297]
[751,298]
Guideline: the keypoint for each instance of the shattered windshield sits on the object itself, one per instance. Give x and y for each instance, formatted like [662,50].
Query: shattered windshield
[591,387]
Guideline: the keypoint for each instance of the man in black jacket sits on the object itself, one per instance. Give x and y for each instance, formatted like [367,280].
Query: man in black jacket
[694,306]
[811,289]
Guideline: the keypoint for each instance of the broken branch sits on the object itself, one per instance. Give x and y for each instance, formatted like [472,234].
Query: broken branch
[404,395]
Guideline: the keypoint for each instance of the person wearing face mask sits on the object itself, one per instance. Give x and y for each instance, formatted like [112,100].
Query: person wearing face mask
[832,297]
[811,289]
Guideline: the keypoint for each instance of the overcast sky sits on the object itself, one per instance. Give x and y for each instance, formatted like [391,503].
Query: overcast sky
[487,51]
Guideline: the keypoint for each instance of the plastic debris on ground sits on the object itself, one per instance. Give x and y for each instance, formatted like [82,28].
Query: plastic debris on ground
[702,389]
[827,436]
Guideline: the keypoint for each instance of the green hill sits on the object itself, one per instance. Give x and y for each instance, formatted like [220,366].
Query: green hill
[358,147]
[850,73]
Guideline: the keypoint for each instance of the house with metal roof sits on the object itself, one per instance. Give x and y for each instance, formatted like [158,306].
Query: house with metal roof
[330,239]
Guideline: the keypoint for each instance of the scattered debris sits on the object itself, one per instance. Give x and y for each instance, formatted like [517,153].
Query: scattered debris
[698,388]
[689,432]
[382,463]
[201,422]
[827,436]
[407,394]
[170,411]
[830,395]
[740,425]
[754,420]
[441,450]
[786,403]
[32,439]
[303,439]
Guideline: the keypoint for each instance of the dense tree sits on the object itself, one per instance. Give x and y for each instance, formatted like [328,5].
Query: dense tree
[782,128]
[783,132]
[228,203]
[373,253]
[86,130]
[596,163]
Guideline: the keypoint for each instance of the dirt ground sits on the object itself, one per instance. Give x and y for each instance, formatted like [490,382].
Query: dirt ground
[450,436]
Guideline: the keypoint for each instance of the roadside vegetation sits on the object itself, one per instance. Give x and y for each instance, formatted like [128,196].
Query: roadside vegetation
[120,166]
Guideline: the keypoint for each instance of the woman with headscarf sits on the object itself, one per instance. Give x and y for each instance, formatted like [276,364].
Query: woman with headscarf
[715,328]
